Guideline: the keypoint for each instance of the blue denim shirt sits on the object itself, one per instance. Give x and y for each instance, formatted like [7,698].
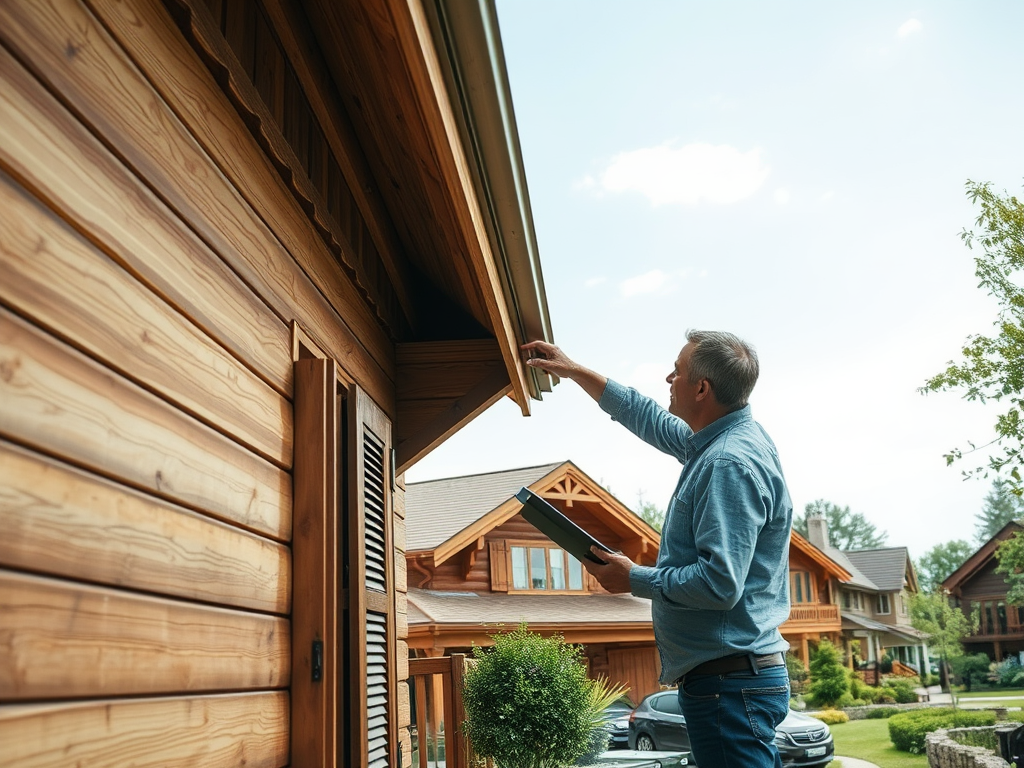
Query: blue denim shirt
[721,582]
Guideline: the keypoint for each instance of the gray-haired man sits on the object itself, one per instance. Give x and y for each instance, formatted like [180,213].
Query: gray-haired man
[720,588]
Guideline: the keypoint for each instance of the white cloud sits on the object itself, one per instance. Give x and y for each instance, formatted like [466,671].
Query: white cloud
[781,195]
[654,281]
[828,196]
[909,27]
[687,175]
[591,282]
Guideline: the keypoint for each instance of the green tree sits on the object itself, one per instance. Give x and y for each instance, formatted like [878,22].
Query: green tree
[651,513]
[993,366]
[846,529]
[940,561]
[932,612]
[1010,555]
[971,668]
[829,679]
[1001,506]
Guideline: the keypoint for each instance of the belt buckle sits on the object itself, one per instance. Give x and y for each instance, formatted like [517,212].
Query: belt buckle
[753,663]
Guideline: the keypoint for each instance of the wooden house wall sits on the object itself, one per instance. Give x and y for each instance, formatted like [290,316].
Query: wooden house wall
[985,583]
[452,575]
[154,262]
[798,561]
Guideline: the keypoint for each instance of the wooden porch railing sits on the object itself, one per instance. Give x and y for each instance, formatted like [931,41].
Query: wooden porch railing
[430,736]
[814,612]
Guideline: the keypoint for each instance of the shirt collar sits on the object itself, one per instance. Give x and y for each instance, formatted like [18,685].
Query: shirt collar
[699,440]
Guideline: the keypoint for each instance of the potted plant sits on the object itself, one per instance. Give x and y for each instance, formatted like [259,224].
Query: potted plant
[530,704]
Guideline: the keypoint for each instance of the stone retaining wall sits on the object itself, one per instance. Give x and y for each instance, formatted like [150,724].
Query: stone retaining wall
[946,748]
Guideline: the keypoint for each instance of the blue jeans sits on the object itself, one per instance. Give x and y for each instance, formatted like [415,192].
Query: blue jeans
[731,718]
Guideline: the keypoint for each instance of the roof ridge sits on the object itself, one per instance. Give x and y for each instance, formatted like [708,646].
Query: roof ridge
[494,472]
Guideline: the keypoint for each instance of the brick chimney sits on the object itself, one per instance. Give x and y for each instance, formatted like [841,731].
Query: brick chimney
[817,532]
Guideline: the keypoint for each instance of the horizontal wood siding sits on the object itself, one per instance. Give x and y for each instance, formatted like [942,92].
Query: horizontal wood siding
[181,732]
[986,583]
[154,262]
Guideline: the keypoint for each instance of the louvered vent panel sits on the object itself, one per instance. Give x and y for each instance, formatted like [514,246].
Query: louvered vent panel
[377,688]
[373,493]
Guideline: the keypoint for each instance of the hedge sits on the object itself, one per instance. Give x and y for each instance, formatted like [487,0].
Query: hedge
[907,729]
[882,712]
[831,716]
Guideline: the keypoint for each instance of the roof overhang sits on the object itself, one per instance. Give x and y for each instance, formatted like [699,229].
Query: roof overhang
[472,62]
[831,566]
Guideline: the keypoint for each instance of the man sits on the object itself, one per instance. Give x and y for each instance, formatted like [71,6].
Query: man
[720,588]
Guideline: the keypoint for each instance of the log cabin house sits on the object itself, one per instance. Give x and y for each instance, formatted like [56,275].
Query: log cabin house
[980,592]
[258,258]
[476,566]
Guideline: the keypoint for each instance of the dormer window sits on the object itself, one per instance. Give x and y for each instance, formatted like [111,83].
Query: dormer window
[537,567]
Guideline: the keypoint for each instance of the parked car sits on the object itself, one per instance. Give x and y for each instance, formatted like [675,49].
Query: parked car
[658,723]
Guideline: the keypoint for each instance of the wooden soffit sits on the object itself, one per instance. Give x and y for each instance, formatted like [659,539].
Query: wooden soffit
[393,80]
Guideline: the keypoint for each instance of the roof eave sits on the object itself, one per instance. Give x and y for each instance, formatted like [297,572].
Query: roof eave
[469,49]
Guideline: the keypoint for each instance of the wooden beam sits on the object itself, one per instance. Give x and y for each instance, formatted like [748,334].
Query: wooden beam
[463,380]
[469,556]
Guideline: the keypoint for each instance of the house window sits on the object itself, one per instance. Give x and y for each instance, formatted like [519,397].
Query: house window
[846,599]
[904,604]
[800,587]
[883,604]
[544,568]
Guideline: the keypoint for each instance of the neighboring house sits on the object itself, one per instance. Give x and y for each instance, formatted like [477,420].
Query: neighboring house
[258,257]
[475,565]
[813,612]
[979,591]
[875,602]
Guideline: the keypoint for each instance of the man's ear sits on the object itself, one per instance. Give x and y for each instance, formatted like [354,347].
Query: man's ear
[703,390]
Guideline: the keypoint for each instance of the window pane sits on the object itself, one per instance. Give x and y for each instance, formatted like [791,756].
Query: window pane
[807,587]
[575,573]
[557,559]
[1001,614]
[519,580]
[798,591]
[989,624]
[538,568]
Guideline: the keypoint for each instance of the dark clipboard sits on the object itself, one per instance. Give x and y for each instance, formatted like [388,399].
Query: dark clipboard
[559,528]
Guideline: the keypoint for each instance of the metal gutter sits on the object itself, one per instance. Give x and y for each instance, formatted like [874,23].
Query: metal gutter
[468,44]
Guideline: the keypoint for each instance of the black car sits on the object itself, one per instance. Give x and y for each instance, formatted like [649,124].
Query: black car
[658,723]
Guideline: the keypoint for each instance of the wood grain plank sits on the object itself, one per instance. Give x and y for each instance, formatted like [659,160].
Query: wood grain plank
[65,522]
[223,731]
[53,154]
[60,639]
[57,278]
[66,46]
[53,398]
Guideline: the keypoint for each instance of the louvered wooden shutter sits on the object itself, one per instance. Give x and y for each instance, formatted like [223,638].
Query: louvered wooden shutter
[498,552]
[371,585]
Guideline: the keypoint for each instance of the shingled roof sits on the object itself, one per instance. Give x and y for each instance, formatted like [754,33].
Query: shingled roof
[430,607]
[886,567]
[436,510]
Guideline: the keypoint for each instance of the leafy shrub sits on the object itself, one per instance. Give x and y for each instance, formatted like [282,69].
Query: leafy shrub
[971,668]
[908,729]
[846,700]
[885,664]
[829,678]
[882,713]
[901,689]
[1007,674]
[831,716]
[528,701]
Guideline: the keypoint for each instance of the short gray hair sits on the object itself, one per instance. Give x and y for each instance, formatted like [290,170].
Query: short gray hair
[727,362]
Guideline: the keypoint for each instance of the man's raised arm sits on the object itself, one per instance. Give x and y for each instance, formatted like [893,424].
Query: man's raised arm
[550,358]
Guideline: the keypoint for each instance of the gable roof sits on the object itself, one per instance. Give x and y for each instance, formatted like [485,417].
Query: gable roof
[436,510]
[976,561]
[831,566]
[888,568]
[445,516]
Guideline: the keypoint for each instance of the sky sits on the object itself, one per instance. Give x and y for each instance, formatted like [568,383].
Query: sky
[793,172]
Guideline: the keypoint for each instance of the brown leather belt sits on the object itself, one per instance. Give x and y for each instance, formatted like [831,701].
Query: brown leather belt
[746,662]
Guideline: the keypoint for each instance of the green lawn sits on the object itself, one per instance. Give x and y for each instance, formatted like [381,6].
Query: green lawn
[990,692]
[869,740]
